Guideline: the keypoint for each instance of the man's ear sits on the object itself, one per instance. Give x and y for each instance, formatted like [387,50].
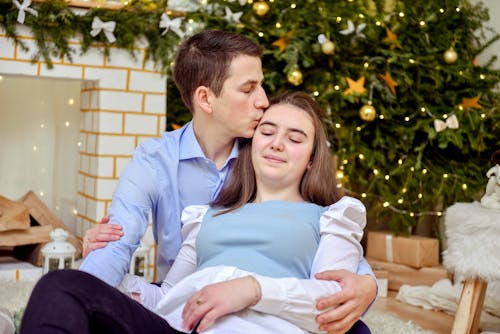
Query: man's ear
[201,99]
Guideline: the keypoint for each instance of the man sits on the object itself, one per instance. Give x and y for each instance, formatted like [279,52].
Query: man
[219,76]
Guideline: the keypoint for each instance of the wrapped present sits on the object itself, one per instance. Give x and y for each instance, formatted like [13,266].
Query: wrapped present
[399,274]
[415,251]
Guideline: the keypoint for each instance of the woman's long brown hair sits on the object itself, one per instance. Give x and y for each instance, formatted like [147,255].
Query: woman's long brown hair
[318,184]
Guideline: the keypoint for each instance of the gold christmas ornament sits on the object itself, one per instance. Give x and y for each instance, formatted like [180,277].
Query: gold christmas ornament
[328,47]
[450,56]
[295,77]
[367,113]
[260,8]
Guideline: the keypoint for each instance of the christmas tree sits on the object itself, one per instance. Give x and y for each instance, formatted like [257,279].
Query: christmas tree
[412,117]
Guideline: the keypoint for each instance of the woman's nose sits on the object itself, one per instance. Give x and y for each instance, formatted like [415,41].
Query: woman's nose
[277,144]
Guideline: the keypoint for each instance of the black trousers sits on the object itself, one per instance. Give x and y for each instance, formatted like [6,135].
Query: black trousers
[74,302]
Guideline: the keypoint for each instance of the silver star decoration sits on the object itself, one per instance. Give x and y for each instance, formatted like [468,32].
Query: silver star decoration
[232,17]
[357,30]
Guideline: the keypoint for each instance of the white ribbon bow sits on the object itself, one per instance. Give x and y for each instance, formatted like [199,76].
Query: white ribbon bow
[174,25]
[24,7]
[451,122]
[107,27]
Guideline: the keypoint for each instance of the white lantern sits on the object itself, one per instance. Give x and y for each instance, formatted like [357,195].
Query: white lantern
[139,265]
[58,254]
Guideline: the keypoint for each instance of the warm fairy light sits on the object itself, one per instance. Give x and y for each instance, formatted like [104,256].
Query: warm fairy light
[337,125]
[41,193]
[278,25]
[293,5]
[35,148]
[445,116]
[358,128]
[445,175]
[483,115]
[482,76]
[460,107]
[375,171]
[316,93]
[261,34]
[439,213]
[381,117]
[363,195]
[457,9]
[424,171]
[339,185]
[400,201]
[366,65]
[66,123]
[412,169]
[387,177]
[422,109]
[338,19]
[79,144]
[378,23]
[441,10]
[404,190]
[461,72]
[71,101]
[422,23]
[407,118]
[412,214]
[386,204]
[42,125]
[412,61]
[361,156]
[340,175]
[75,212]
[1,77]
[401,14]
[345,161]
[420,195]
[361,16]
[400,161]
[464,186]
[336,87]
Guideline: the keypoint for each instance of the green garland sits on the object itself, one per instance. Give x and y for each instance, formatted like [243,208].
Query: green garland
[399,165]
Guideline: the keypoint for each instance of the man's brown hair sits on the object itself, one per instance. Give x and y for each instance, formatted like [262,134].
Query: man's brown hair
[204,60]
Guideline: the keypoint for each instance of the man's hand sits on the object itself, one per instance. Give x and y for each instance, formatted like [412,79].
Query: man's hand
[99,236]
[358,291]
[219,299]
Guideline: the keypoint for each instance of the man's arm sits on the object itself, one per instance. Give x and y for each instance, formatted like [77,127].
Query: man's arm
[132,201]
[358,293]
[99,236]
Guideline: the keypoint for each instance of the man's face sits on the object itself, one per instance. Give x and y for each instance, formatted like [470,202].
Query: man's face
[242,101]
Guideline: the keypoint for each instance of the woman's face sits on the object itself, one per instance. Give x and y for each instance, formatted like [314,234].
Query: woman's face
[282,146]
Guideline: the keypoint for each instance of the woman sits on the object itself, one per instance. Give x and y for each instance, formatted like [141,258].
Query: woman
[249,267]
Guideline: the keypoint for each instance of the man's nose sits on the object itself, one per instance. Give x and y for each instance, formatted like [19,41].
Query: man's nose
[261,102]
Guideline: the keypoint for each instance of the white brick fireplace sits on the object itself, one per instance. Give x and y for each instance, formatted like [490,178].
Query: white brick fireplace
[122,102]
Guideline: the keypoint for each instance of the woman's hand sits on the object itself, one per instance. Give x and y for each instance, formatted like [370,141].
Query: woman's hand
[358,291]
[99,236]
[219,299]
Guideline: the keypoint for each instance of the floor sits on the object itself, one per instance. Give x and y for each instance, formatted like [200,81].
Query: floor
[436,321]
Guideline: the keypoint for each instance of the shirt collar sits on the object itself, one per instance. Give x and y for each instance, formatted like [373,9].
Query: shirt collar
[190,148]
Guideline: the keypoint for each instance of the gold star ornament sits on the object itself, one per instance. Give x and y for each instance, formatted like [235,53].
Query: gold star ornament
[470,103]
[355,86]
[392,39]
[389,81]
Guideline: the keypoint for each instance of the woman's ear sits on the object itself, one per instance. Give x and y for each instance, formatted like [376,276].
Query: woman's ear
[201,99]
[309,165]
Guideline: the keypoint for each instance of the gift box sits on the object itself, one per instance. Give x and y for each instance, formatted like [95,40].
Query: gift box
[415,251]
[399,274]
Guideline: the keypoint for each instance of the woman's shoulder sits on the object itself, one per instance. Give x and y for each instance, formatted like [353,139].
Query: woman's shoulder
[346,210]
